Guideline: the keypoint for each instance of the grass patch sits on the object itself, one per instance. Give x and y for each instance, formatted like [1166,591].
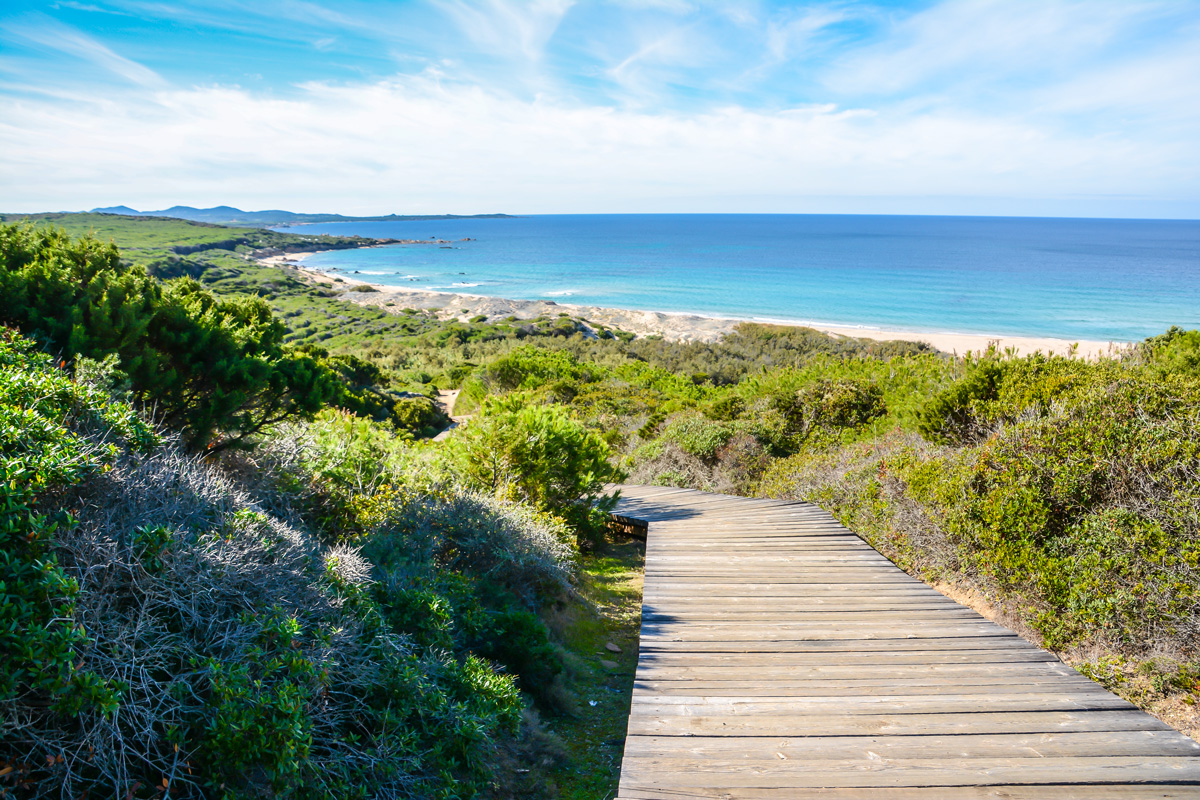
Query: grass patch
[594,736]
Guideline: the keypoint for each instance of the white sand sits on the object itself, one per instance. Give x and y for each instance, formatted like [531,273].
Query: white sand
[671,326]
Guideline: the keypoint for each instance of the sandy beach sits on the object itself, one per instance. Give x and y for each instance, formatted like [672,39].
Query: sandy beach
[669,325]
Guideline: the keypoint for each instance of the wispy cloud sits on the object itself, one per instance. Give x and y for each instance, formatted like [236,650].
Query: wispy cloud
[791,34]
[509,27]
[44,31]
[657,59]
[968,42]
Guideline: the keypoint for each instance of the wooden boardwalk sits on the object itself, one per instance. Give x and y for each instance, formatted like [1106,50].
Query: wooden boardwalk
[782,657]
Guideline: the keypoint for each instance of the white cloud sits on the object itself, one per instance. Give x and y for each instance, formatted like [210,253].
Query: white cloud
[416,145]
[1162,87]
[640,73]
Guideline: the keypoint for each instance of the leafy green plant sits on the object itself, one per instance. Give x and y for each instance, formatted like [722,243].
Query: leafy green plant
[209,365]
[149,544]
[697,435]
[42,452]
[831,404]
[540,455]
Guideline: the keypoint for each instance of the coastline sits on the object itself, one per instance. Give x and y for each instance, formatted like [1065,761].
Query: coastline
[672,326]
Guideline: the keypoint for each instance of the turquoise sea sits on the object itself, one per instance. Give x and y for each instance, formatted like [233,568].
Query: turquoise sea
[1066,278]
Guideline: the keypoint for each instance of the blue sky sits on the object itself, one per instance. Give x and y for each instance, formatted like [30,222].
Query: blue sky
[1015,107]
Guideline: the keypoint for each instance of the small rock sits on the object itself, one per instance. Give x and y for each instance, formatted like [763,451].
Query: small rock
[604,662]
[612,648]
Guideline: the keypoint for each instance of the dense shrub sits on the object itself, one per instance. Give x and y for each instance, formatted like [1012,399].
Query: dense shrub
[495,564]
[530,553]
[364,392]
[264,666]
[999,391]
[697,435]
[540,455]
[419,416]
[1176,352]
[42,452]
[752,347]
[829,405]
[1091,511]
[953,416]
[530,367]
[207,364]
[226,368]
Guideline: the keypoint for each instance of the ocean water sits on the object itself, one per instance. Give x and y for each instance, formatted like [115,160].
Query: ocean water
[1116,280]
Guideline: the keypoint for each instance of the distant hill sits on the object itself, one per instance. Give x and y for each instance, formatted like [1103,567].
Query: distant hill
[126,210]
[227,215]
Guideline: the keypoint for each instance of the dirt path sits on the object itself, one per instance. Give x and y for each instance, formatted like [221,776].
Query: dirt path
[447,398]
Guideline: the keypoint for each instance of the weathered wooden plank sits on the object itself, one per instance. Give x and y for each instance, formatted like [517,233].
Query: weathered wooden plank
[871,644]
[812,619]
[846,658]
[1148,743]
[1046,700]
[1044,791]
[884,722]
[850,686]
[815,631]
[704,671]
[871,772]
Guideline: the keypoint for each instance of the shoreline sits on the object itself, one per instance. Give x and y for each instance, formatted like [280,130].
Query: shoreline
[671,325]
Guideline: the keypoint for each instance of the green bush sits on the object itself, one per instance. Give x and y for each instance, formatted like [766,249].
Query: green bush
[725,408]
[1087,510]
[209,366]
[953,415]
[258,724]
[830,405]
[1176,352]
[527,552]
[419,416]
[265,668]
[697,435]
[518,639]
[419,612]
[998,392]
[530,367]
[42,452]
[331,466]
[468,615]
[539,455]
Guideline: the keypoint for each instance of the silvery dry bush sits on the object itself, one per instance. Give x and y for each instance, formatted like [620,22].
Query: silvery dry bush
[859,484]
[528,551]
[245,663]
[404,503]
[174,567]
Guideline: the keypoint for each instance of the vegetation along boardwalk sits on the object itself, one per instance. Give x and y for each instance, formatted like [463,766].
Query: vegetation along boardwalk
[783,657]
